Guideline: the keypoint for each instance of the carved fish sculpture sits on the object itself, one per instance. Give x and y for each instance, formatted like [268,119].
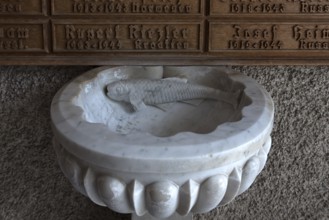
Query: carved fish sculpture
[141,92]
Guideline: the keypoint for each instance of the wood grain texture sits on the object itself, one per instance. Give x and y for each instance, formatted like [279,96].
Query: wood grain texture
[166,32]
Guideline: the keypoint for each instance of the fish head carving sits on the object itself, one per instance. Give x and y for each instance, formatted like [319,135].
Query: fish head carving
[118,91]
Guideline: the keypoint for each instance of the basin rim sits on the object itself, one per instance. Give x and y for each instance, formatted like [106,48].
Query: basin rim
[184,152]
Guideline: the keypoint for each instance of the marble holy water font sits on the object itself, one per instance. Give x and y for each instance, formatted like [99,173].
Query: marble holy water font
[162,162]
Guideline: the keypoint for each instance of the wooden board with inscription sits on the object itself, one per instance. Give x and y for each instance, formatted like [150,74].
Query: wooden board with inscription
[168,32]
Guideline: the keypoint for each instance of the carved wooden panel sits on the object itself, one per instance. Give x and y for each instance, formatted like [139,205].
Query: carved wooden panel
[269,7]
[105,36]
[171,32]
[23,7]
[21,37]
[127,7]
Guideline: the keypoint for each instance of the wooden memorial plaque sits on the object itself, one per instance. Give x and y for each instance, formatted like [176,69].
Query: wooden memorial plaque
[168,32]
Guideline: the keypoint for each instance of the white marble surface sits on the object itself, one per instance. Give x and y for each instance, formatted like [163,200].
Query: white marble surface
[174,217]
[161,162]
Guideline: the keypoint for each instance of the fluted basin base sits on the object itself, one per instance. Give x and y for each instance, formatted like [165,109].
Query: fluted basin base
[173,217]
[154,163]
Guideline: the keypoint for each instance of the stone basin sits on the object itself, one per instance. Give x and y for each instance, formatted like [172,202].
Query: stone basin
[162,163]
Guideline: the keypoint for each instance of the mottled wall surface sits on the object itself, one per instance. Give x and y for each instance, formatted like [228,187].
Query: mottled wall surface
[293,185]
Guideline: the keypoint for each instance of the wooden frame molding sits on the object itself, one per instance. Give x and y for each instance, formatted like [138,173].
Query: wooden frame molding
[167,32]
